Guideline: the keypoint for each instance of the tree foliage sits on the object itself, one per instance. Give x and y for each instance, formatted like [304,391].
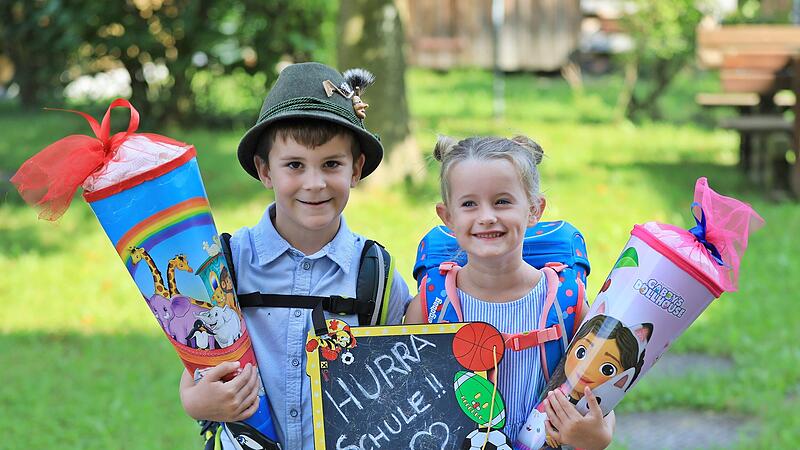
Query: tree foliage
[172,49]
[38,38]
[664,41]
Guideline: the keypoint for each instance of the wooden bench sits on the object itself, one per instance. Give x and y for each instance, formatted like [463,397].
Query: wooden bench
[757,62]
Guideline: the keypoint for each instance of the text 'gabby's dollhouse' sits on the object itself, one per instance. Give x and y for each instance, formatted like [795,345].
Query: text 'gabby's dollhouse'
[661,296]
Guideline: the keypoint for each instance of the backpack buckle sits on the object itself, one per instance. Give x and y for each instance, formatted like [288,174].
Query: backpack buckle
[528,339]
[340,305]
[446,266]
[557,266]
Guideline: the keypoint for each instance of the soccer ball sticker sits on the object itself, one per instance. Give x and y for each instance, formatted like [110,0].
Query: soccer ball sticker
[496,440]
[348,358]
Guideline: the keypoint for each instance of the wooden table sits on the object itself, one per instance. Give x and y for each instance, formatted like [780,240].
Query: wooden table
[756,62]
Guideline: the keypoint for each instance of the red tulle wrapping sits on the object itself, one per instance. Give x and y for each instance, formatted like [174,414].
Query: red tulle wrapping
[48,180]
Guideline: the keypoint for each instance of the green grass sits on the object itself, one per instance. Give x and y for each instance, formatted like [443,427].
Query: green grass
[84,363]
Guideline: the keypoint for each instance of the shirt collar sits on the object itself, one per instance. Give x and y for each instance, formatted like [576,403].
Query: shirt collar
[270,244]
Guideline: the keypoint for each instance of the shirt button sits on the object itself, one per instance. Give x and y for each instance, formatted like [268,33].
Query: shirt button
[306,265]
[298,313]
[295,362]
[293,413]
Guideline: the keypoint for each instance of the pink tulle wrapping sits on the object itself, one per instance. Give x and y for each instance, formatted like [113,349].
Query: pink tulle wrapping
[729,223]
[689,249]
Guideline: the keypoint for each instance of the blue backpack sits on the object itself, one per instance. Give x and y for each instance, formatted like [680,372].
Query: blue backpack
[557,248]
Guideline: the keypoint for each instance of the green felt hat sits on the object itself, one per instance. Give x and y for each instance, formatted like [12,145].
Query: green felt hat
[299,92]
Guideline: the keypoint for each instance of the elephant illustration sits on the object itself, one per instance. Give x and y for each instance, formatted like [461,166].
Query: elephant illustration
[224,322]
[177,316]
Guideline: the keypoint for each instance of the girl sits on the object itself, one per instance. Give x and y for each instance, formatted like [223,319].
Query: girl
[601,349]
[490,196]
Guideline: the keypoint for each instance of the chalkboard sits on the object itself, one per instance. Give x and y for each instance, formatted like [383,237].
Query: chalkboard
[391,387]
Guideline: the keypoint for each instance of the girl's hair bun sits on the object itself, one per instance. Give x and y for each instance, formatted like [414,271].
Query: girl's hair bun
[443,146]
[531,146]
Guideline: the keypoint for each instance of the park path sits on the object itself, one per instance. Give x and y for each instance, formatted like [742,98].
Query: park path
[682,429]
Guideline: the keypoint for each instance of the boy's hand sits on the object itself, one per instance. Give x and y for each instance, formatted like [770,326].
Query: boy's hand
[220,401]
[566,425]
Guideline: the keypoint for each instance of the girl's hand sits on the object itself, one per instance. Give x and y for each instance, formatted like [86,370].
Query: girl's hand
[566,425]
[220,401]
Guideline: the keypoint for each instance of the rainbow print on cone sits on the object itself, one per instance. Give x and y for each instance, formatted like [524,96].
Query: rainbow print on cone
[147,193]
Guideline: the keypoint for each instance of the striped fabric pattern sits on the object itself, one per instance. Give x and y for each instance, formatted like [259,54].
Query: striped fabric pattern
[520,377]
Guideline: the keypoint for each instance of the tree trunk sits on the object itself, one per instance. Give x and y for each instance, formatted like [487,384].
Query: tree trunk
[28,87]
[371,36]
[626,98]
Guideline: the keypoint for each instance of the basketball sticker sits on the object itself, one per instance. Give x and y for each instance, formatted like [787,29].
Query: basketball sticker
[475,344]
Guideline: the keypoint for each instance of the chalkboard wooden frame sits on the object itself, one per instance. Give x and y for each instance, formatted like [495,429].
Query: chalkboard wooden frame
[365,337]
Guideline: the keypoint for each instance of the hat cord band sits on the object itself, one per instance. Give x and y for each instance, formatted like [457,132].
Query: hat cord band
[311,103]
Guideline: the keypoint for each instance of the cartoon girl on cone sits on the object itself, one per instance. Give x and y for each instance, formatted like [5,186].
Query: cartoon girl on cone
[603,349]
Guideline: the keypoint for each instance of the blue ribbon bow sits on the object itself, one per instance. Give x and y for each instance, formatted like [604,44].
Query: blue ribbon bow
[699,232]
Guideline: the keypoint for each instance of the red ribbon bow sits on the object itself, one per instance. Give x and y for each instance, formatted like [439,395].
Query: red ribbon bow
[48,180]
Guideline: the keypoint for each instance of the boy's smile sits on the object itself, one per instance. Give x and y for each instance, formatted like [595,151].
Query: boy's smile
[312,186]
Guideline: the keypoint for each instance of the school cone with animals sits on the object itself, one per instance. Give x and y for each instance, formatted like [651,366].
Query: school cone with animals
[146,191]
[664,279]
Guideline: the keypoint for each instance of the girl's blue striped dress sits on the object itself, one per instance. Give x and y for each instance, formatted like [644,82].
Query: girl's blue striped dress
[520,377]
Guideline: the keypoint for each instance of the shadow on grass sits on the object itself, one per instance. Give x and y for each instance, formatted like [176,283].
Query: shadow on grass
[92,392]
[675,181]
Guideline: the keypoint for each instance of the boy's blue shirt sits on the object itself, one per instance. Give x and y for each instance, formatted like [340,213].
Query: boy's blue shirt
[266,262]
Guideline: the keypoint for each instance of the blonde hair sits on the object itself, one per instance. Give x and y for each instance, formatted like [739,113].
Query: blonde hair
[521,151]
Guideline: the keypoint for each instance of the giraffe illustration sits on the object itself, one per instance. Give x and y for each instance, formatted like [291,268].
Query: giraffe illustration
[138,254]
[178,262]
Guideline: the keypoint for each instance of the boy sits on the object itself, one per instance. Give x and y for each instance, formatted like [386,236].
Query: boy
[310,147]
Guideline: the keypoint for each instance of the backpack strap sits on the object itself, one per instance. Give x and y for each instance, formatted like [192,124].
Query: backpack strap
[565,311]
[211,432]
[438,294]
[543,334]
[559,311]
[373,286]
[451,276]
[225,242]
[552,290]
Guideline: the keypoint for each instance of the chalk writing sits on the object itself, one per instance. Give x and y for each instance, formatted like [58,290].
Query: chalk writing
[395,394]
[429,432]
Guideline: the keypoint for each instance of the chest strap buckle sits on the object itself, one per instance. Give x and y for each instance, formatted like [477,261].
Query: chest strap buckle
[528,339]
[337,304]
